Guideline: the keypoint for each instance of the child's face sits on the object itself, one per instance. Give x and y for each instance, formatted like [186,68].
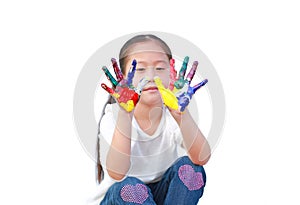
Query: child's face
[151,61]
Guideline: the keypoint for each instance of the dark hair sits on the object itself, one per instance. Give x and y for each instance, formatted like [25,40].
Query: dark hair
[124,53]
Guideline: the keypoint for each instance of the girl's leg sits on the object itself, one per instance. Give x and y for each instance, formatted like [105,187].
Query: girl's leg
[182,183]
[130,191]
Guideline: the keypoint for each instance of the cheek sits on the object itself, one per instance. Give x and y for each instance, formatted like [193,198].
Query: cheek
[165,79]
[136,79]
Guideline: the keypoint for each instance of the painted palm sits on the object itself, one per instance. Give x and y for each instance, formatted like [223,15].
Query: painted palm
[179,93]
[122,89]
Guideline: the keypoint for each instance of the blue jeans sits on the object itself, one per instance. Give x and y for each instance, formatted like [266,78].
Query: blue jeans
[183,183]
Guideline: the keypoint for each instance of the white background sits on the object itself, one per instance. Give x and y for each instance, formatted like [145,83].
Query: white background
[254,46]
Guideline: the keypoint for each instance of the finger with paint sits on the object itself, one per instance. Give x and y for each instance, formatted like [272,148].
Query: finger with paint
[131,73]
[141,85]
[117,70]
[173,74]
[109,76]
[181,81]
[198,86]
[192,72]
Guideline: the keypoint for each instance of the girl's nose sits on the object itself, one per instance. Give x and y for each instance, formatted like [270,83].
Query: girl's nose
[151,74]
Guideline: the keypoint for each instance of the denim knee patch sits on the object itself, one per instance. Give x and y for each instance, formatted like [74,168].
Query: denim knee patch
[191,179]
[135,194]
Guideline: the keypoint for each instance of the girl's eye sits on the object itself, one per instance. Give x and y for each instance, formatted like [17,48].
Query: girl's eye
[140,69]
[160,68]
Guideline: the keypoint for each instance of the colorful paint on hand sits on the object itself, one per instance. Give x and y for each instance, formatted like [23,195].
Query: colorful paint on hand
[123,91]
[179,93]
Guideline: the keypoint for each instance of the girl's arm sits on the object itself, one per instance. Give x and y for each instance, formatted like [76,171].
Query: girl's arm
[118,157]
[177,97]
[194,141]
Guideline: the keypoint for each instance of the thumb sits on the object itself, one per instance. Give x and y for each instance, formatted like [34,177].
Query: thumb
[167,95]
[141,85]
[158,83]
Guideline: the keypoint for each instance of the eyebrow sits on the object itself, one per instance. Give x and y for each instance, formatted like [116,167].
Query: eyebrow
[157,61]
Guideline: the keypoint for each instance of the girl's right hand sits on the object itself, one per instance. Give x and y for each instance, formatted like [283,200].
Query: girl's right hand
[123,91]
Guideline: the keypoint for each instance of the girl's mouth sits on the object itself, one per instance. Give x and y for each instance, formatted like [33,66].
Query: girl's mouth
[150,89]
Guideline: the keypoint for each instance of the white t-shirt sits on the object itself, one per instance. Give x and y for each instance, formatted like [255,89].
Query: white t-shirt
[151,155]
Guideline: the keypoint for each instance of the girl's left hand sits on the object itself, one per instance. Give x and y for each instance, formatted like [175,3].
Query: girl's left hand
[179,93]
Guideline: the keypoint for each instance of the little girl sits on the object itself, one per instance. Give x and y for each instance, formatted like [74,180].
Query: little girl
[144,124]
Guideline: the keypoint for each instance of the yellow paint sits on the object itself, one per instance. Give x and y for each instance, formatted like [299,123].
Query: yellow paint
[116,95]
[167,95]
[127,106]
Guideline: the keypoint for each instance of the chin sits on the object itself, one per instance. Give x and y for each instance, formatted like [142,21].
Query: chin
[151,99]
